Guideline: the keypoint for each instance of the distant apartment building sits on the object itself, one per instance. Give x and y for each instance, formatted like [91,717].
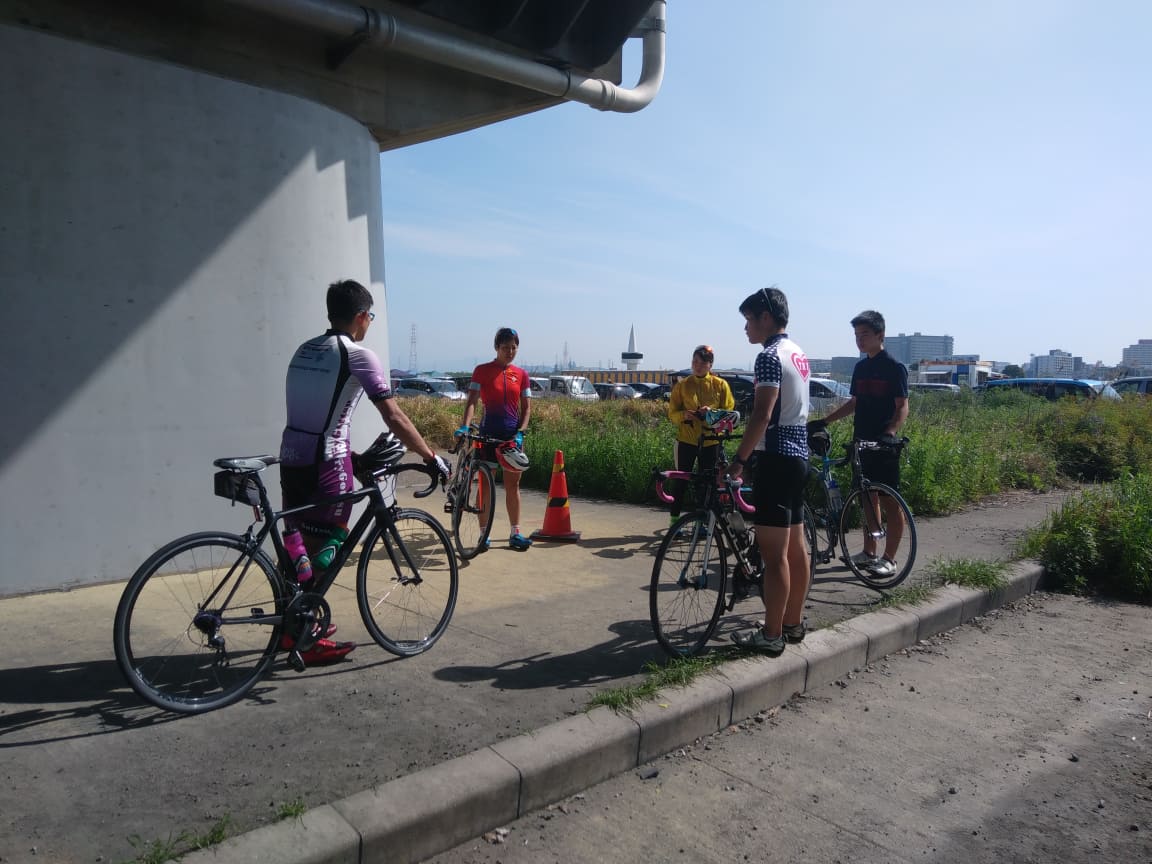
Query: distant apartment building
[917,347]
[1055,364]
[841,367]
[1138,356]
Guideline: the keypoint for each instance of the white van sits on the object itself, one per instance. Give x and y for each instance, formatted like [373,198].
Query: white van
[572,387]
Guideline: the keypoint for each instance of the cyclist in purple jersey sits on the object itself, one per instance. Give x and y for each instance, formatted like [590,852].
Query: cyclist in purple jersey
[326,378]
[777,429]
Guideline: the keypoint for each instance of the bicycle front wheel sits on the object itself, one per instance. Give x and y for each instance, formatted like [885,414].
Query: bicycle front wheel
[199,623]
[877,514]
[406,583]
[473,507]
[686,593]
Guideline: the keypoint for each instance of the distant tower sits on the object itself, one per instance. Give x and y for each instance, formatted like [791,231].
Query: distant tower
[412,350]
[631,358]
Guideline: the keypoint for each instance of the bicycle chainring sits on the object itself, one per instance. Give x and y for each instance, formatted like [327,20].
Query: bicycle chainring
[307,619]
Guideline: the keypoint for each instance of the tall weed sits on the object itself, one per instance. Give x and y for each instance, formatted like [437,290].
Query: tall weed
[1101,541]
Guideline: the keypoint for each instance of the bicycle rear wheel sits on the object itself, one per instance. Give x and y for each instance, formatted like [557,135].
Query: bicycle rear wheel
[199,623]
[686,594]
[406,583]
[473,507]
[865,512]
[812,538]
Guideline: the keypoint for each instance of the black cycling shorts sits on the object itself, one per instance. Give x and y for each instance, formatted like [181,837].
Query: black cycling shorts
[881,466]
[778,490]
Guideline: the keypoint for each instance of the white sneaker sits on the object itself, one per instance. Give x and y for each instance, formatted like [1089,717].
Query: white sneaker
[883,567]
[863,559]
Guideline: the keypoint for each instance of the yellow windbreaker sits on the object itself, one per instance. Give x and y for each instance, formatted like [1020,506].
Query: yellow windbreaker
[694,392]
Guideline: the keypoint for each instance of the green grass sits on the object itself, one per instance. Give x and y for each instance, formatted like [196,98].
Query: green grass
[172,848]
[678,672]
[905,595]
[1100,542]
[969,573]
[291,809]
[963,448]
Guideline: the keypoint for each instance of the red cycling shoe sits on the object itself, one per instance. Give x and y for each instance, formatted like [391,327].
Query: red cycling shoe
[326,651]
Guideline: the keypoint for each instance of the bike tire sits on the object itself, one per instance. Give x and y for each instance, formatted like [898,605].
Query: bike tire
[852,537]
[165,656]
[472,513]
[812,538]
[684,607]
[406,582]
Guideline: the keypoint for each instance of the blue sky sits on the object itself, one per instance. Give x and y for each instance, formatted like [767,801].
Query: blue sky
[982,170]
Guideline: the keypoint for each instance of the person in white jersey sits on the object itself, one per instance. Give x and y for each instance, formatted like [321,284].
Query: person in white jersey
[777,430]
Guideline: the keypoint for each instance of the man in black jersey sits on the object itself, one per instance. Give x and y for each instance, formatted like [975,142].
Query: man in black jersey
[880,404]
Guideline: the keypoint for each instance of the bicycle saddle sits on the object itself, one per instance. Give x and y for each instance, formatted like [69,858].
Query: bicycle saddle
[246,463]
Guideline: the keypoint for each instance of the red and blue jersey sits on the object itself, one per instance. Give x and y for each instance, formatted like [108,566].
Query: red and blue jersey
[501,389]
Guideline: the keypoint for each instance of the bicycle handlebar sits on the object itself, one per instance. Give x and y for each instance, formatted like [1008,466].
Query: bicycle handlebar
[430,470]
[730,486]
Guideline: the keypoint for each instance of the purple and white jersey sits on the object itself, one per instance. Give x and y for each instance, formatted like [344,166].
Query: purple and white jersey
[326,378]
[783,365]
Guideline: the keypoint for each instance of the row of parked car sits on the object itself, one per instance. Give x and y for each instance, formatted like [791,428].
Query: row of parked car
[825,394]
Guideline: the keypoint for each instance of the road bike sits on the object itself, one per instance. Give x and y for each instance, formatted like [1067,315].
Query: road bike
[471,493]
[832,522]
[201,621]
[690,587]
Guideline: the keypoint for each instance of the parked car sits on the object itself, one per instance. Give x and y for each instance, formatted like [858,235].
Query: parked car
[1054,388]
[743,391]
[643,387]
[1139,385]
[436,388]
[660,392]
[826,394]
[610,390]
[572,387]
[932,387]
[539,387]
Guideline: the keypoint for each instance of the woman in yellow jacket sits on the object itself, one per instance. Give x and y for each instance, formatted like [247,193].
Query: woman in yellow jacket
[690,398]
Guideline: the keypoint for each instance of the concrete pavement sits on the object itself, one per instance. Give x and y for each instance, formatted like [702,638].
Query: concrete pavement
[1024,736]
[411,756]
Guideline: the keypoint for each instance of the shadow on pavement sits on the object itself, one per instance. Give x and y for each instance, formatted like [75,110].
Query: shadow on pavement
[603,663]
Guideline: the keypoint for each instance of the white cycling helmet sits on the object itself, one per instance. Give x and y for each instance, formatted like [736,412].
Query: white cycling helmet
[511,457]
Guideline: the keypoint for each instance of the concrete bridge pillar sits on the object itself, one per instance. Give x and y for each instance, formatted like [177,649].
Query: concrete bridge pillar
[165,239]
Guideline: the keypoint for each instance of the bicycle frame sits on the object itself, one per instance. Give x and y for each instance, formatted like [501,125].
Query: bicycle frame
[379,510]
[718,487]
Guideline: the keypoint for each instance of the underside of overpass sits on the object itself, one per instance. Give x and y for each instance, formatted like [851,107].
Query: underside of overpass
[179,181]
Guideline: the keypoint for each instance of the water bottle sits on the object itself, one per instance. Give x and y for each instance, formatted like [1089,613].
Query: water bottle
[835,501]
[294,543]
[331,547]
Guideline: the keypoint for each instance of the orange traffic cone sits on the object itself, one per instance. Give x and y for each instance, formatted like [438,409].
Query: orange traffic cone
[557,520]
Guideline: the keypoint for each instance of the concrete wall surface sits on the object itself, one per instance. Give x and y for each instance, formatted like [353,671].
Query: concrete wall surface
[165,240]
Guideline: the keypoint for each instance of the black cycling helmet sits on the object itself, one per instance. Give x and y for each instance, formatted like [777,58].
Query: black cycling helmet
[820,442]
[384,452]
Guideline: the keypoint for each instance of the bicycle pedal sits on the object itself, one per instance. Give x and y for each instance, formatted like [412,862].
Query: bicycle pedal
[447,506]
[296,661]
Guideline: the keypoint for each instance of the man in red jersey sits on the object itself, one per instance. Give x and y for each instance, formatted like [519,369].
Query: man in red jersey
[505,391]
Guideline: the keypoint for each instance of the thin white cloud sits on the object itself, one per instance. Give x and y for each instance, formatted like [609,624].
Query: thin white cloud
[449,242]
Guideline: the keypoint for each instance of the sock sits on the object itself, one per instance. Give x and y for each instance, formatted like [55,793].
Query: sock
[515,530]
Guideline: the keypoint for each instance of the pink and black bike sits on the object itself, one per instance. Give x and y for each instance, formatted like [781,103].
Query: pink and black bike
[709,560]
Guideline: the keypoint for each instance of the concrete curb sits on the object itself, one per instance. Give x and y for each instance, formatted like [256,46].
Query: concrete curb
[416,817]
